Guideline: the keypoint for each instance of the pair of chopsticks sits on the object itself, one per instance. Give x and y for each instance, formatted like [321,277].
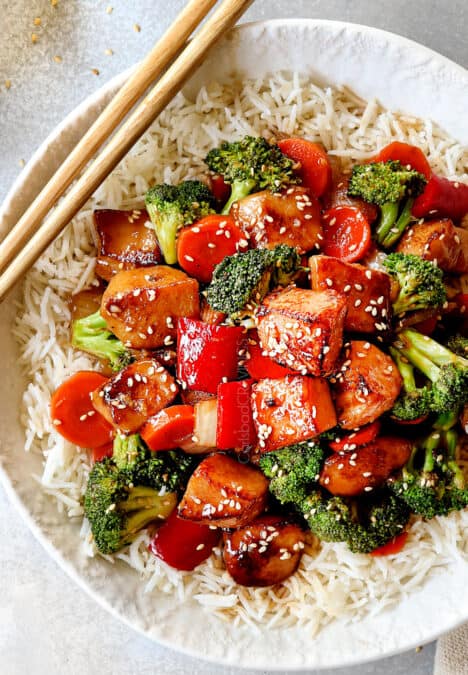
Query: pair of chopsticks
[32,234]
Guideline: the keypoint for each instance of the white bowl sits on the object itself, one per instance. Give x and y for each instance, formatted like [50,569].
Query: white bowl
[403,76]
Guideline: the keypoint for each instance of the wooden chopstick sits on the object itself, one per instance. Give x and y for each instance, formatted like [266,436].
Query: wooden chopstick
[151,68]
[26,241]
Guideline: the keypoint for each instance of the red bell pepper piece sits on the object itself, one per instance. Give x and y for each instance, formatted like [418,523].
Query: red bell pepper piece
[461,300]
[408,155]
[426,327]
[363,436]
[207,353]
[220,189]
[102,451]
[395,545]
[183,544]
[169,428]
[442,197]
[235,425]
[260,367]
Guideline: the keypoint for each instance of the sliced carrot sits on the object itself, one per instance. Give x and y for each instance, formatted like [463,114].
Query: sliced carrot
[315,170]
[203,245]
[395,545]
[363,436]
[169,428]
[346,233]
[73,414]
[408,155]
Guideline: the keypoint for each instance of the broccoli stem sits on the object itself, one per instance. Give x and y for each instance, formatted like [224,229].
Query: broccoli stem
[406,370]
[446,420]
[388,216]
[239,190]
[451,440]
[394,233]
[141,497]
[437,353]
[421,362]
[139,520]
[429,445]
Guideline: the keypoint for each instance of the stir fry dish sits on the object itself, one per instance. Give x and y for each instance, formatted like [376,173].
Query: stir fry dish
[281,355]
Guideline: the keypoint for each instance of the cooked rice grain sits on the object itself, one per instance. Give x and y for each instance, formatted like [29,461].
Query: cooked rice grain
[331,582]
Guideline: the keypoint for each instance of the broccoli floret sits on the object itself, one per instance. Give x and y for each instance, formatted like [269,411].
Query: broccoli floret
[241,281]
[421,282]
[413,402]
[459,345]
[90,334]
[432,483]
[117,510]
[169,470]
[249,165]
[170,207]
[447,371]
[364,524]
[394,188]
[292,470]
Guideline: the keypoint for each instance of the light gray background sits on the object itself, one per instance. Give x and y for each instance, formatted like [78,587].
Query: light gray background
[47,624]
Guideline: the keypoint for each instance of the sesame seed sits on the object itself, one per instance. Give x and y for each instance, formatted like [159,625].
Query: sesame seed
[357,302]
[136,27]
[368,274]
[189,257]
[95,71]
[368,488]
[329,282]
[347,288]
[358,287]
[108,52]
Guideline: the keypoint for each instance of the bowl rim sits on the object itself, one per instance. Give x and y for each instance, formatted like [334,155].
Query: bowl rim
[6,482]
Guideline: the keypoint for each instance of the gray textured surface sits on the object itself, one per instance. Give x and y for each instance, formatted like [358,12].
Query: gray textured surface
[47,625]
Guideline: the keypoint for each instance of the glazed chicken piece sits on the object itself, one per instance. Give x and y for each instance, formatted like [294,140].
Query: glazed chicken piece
[464,419]
[86,302]
[124,241]
[290,410]
[141,306]
[367,385]
[338,196]
[303,329]
[438,240]
[263,553]
[291,217]
[367,292]
[129,398]
[210,315]
[352,473]
[224,492]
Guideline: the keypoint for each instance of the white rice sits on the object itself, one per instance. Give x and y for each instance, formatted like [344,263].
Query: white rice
[331,582]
